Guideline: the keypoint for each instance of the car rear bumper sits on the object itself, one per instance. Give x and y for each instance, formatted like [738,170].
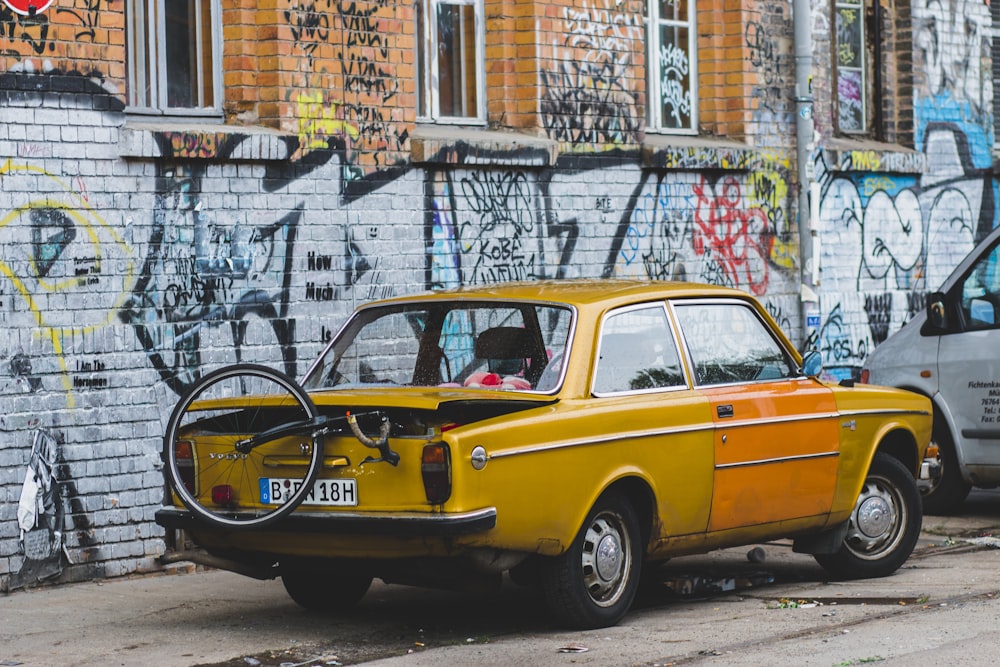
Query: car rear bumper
[396,524]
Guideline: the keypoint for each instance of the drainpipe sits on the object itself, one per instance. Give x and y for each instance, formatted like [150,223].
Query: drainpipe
[808,192]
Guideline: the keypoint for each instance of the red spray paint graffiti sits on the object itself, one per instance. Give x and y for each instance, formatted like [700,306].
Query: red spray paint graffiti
[736,237]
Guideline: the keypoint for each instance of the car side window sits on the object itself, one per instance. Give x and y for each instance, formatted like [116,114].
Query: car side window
[980,296]
[636,351]
[729,343]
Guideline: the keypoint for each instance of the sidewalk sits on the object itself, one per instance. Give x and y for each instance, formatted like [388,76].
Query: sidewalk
[164,620]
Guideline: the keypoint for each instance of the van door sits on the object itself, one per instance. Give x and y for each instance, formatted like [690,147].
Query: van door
[969,362]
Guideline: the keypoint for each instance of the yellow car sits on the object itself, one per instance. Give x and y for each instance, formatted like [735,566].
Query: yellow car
[567,433]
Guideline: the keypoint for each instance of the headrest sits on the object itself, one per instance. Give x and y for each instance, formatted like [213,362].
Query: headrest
[503,343]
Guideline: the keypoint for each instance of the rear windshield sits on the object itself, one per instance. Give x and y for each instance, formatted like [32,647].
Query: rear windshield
[485,345]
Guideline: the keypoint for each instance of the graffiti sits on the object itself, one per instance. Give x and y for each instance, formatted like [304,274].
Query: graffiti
[310,27]
[738,238]
[40,513]
[498,238]
[778,315]
[586,98]
[371,82]
[762,52]
[675,94]
[31,31]
[58,245]
[843,350]
[318,123]
[959,65]
[88,16]
[201,273]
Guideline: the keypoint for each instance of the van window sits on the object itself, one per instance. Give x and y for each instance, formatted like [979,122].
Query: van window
[980,293]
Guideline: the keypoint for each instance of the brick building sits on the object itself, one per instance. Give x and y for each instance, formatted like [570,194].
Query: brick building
[186,185]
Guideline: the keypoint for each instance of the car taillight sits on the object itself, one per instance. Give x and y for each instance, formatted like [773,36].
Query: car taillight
[224,495]
[865,374]
[184,453]
[435,468]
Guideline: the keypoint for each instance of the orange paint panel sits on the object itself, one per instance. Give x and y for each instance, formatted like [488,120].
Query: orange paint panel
[750,495]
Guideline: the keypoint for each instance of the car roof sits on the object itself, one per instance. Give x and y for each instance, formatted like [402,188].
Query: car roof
[581,291]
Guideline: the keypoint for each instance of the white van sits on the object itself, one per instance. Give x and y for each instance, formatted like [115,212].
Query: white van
[951,353]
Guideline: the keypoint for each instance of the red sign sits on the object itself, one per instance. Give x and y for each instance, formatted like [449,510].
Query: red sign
[28,7]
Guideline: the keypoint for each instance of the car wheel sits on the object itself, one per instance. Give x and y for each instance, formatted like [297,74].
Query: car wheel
[946,494]
[593,583]
[324,585]
[884,525]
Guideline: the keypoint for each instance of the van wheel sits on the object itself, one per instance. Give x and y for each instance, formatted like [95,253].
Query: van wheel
[884,525]
[593,583]
[946,494]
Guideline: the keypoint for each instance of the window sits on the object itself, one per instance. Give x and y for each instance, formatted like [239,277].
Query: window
[671,35]
[450,63]
[729,343]
[980,293]
[637,352]
[853,62]
[174,57]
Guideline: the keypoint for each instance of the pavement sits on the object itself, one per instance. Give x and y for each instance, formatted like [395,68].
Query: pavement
[942,607]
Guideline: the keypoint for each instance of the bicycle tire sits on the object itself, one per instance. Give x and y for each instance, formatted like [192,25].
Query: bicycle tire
[209,467]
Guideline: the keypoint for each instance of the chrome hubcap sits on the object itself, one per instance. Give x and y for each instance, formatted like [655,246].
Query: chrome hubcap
[874,516]
[606,559]
[877,523]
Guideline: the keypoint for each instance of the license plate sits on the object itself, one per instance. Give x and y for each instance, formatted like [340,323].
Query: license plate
[275,491]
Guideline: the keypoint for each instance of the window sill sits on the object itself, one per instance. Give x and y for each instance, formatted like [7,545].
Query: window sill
[189,140]
[457,146]
[684,152]
[841,154]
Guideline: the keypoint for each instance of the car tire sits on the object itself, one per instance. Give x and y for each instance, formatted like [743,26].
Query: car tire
[323,585]
[884,525]
[593,584]
[948,494]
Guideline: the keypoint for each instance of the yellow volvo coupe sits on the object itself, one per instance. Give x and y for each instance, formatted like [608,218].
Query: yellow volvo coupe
[567,433]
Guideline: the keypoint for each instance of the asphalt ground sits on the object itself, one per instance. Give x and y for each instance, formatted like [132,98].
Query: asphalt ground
[942,607]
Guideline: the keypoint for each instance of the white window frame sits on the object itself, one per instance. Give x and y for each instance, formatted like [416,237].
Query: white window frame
[147,78]
[429,66]
[654,22]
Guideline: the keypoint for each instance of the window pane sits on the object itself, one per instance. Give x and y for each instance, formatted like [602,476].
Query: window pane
[423,73]
[637,352]
[728,343]
[851,80]
[850,103]
[849,46]
[674,10]
[180,40]
[675,78]
[141,73]
[457,84]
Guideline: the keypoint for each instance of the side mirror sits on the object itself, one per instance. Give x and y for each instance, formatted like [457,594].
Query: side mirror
[812,364]
[937,319]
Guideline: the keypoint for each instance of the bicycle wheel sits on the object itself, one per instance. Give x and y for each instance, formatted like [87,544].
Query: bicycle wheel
[241,448]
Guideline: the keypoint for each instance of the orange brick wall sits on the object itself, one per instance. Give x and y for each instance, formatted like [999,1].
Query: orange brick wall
[344,72]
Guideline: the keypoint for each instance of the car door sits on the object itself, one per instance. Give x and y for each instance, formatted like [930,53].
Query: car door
[776,439]
[660,424]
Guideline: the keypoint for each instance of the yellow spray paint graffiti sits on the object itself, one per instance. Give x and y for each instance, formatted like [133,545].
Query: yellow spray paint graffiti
[768,190]
[58,248]
[318,122]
